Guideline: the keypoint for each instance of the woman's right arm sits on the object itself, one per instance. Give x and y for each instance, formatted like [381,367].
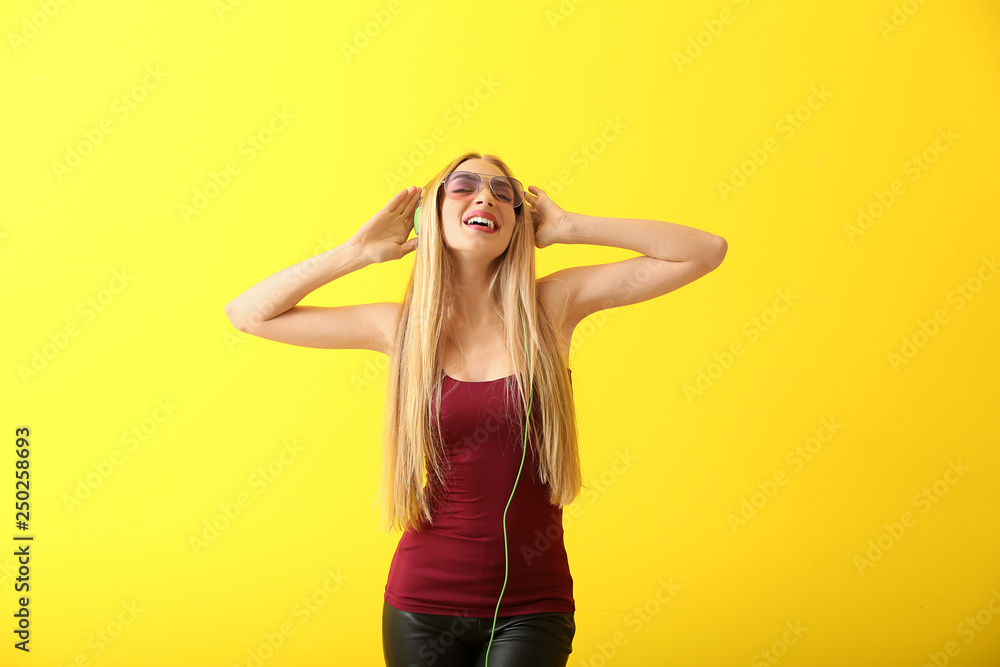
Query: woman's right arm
[269,309]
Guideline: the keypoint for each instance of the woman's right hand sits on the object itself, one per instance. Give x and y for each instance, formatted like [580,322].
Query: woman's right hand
[383,237]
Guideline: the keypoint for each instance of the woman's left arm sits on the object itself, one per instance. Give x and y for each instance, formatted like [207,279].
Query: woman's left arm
[673,255]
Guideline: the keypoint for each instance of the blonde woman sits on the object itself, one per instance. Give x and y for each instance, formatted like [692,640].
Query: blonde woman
[479,442]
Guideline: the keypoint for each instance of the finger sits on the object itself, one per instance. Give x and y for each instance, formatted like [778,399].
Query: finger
[412,202]
[417,196]
[397,200]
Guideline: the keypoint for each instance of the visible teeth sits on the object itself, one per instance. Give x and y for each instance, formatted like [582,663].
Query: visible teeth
[485,221]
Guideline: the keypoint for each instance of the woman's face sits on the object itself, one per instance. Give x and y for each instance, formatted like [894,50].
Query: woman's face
[475,240]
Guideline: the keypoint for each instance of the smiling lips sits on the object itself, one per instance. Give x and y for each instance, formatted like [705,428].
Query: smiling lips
[483,221]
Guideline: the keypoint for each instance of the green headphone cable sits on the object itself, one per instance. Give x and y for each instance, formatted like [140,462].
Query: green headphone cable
[523,451]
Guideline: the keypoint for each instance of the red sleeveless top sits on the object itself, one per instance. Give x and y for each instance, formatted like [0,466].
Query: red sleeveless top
[456,565]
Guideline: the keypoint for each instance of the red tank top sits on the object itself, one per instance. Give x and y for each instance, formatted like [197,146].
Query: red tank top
[456,565]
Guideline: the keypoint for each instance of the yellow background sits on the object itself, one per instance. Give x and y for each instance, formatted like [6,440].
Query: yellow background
[369,114]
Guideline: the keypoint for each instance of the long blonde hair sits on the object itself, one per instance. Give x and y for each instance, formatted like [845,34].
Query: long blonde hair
[412,446]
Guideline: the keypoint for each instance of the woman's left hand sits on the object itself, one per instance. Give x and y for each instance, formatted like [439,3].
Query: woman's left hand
[548,219]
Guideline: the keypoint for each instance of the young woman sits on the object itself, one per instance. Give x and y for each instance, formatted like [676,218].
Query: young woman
[479,442]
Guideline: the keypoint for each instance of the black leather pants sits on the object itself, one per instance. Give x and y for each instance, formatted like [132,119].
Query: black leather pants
[528,640]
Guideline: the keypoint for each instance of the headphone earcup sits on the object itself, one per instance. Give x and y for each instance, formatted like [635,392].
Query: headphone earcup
[416,221]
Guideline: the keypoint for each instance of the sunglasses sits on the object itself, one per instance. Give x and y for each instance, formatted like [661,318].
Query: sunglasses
[464,184]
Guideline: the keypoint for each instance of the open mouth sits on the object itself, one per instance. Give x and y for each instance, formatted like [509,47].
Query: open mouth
[481,223]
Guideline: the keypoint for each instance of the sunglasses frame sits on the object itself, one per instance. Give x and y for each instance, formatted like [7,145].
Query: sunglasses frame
[490,181]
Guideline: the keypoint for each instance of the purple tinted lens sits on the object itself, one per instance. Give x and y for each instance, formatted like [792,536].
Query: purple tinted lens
[462,184]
